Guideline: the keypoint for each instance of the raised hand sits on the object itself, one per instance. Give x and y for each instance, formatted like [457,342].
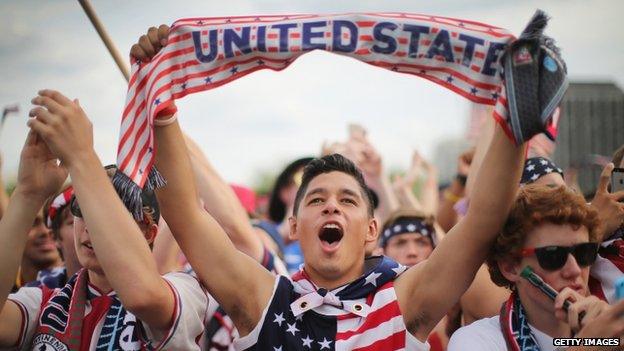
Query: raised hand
[63,125]
[39,175]
[610,210]
[150,44]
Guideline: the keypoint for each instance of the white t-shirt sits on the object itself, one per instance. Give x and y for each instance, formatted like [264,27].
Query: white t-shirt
[191,304]
[486,335]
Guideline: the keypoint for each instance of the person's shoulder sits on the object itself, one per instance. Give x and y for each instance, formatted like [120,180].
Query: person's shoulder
[483,334]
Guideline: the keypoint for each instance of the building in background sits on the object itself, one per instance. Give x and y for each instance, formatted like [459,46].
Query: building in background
[591,127]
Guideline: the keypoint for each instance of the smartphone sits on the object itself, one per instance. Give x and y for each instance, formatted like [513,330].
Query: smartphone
[617,180]
[619,288]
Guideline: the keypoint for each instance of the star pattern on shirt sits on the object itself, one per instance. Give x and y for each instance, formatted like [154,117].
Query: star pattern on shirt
[325,343]
[372,278]
[279,318]
[307,342]
[292,328]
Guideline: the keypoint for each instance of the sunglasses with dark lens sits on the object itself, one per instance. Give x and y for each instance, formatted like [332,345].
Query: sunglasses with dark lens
[74,208]
[552,258]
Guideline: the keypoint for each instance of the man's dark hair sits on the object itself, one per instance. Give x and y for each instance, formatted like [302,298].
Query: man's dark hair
[332,163]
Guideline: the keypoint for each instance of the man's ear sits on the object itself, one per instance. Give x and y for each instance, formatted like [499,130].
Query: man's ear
[150,233]
[292,225]
[372,234]
[510,269]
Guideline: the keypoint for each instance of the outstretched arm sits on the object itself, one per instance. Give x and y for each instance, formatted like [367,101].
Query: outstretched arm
[423,296]
[221,202]
[119,244]
[39,178]
[229,274]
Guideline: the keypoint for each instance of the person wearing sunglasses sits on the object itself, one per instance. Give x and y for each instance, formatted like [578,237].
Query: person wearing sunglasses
[553,231]
[118,301]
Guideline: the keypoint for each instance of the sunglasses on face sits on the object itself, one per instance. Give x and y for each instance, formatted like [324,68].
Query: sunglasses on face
[552,258]
[74,208]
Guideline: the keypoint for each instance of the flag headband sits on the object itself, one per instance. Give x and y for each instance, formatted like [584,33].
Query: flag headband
[205,53]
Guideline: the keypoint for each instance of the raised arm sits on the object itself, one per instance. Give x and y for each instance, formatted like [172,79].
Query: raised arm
[39,177]
[425,297]
[4,197]
[221,202]
[119,244]
[229,274]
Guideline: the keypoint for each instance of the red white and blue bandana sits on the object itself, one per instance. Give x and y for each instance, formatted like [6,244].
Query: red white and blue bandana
[362,315]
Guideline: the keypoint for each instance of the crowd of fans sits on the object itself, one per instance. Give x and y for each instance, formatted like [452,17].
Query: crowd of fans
[344,258]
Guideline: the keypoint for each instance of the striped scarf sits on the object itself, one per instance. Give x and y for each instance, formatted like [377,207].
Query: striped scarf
[62,322]
[206,53]
[515,326]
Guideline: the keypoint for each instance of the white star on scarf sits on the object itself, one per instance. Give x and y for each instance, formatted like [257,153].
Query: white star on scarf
[548,170]
[411,227]
[398,270]
[534,177]
[372,278]
[277,348]
[307,342]
[530,168]
[279,318]
[397,228]
[544,162]
[325,343]
[292,328]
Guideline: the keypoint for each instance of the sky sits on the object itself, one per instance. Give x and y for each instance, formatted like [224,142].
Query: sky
[261,122]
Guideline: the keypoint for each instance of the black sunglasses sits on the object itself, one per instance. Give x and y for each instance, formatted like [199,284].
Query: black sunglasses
[74,208]
[552,258]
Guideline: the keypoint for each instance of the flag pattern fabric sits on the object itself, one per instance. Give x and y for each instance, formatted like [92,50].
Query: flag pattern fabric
[205,53]
[362,315]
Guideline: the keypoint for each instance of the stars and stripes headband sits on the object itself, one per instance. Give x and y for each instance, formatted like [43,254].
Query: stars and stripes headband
[60,201]
[536,167]
[205,53]
[407,225]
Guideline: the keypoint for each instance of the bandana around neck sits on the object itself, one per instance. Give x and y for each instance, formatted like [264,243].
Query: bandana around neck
[380,270]
[463,56]
[515,326]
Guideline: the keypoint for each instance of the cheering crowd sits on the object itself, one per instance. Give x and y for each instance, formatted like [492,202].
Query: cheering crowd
[344,258]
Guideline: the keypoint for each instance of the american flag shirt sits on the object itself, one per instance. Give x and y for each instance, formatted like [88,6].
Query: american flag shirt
[362,315]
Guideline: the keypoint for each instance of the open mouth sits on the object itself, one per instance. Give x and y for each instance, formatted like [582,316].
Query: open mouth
[331,234]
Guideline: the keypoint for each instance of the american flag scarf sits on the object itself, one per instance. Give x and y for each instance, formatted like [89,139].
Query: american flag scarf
[515,326]
[205,53]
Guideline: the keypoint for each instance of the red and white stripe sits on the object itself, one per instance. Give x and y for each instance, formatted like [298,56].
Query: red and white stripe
[605,271]
[382,329]
[59,201]
[175,71]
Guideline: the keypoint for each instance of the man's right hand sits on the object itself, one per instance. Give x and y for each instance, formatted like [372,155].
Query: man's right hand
[150,44]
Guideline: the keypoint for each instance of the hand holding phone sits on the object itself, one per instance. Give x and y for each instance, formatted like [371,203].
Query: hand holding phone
[617,180]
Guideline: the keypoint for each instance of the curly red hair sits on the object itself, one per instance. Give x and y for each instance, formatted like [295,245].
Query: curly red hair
[535,205]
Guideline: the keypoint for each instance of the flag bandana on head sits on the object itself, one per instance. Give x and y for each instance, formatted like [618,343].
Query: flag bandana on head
[205,53]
